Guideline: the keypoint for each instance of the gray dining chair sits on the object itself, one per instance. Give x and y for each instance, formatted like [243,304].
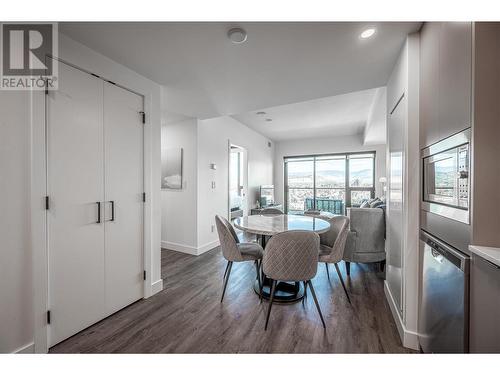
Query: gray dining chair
[292,256]
[332,245]
[272,211]
[312,212]
[234,251]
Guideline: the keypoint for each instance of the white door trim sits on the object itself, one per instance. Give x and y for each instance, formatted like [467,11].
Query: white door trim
[39,216]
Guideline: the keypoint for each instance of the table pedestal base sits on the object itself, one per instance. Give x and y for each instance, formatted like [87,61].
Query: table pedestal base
[286,292]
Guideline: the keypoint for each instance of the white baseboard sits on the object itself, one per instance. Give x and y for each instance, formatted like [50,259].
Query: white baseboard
[156,287]
[189,249]
[208,246]
[408,338]
[179,247]
[27,349]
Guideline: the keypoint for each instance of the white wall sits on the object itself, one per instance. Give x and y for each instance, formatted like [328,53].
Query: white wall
[16,291]
[324,146]
[213,137]
[22,310]
[375,129]
[179,210]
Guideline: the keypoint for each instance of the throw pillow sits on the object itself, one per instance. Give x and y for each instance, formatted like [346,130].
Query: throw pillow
[377,202]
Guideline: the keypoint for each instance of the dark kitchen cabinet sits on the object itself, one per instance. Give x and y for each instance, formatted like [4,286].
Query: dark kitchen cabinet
[484,306]
[445,80]
[429,79]
[455,77]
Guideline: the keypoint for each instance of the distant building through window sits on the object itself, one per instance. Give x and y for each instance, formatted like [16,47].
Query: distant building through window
[328,182]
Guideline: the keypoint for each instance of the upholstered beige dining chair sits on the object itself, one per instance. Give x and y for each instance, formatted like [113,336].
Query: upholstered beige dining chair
[312,212]
[272,211]
[332,244]
[292,256]
[234,251]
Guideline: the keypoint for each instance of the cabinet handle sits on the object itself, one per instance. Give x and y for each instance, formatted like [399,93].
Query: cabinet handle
[98,212]
[112,210]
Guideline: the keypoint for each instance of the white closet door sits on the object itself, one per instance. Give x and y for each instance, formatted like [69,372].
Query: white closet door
[75,183]
[123,145]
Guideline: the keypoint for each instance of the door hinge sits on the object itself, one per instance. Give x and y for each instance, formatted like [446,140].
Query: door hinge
[48,316]
[143,115]
[144,275]
[144,197]
[47,202]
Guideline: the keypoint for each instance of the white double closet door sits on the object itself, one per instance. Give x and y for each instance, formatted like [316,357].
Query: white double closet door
[95,185]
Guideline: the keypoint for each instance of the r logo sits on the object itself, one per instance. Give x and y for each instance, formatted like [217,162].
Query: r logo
[25,48]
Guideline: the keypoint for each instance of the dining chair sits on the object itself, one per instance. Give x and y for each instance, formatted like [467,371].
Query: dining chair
[272,211]
[292,256]
[332,245]
[312,212]
[234,251]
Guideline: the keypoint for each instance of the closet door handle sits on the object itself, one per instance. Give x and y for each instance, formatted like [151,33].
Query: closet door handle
[98,212]
[112,210]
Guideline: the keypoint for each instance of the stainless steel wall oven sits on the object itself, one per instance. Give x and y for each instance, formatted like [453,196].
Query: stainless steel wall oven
[446,177]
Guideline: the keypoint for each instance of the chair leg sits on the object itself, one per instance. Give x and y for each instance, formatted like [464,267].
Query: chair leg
[257,268]
[273,290]
[327,271]
[305,293]
[227,279]
[382,265]
[225,272]
[316,302]
[342,281]
[348,268]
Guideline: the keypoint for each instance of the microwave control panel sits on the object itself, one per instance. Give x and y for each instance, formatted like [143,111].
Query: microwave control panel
[463,178]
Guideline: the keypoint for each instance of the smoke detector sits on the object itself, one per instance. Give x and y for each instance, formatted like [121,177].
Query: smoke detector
[237,35]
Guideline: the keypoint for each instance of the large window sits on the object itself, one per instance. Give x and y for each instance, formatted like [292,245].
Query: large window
[328,182]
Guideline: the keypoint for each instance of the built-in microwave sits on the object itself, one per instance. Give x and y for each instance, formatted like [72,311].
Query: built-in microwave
[446,177]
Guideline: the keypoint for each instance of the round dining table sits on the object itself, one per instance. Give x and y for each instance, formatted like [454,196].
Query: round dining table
[268,225]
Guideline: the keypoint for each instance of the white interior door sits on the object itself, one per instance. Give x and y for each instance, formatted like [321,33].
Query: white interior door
[123,148]
[394,273]
[75,179]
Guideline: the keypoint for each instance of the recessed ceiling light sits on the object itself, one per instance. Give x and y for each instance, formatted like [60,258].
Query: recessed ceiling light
[269,119]
[261,113]
[237,35]
[368,33]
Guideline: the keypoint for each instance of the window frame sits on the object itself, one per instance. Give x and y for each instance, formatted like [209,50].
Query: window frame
[347,189]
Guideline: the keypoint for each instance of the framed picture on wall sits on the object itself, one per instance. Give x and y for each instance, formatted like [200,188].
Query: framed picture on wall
[171,168]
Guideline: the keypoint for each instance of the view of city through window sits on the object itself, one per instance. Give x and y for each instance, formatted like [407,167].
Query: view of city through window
[328,182]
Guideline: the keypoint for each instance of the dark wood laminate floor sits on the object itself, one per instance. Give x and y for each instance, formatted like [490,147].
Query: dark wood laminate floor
[187,317]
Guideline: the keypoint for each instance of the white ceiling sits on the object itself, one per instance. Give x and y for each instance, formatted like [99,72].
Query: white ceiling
[205,75]
[338,115]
